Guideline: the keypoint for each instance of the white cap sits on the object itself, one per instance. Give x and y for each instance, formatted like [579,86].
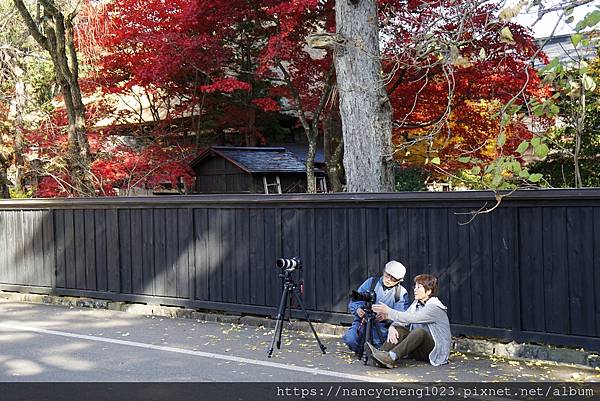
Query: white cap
[395,269]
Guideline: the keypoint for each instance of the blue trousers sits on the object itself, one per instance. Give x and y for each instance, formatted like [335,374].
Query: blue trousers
[353,337]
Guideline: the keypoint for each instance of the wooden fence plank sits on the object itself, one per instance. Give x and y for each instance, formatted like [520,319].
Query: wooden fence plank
[357,252]
[438,252]
[482,288]
[417,241]
[242,256]
[459,268]
[258,265]
[305,221]
[214,255]
[125,250]
[532,269]
[36,247]
[147,233]
[172,252]
[273,239]
[373,243]
[59,231]
[101,251]
[113,248]
[137,274]
[503,261]
[184,245]
[90,249]
[325,284]
[556,274]
[581,259]
[49,241]
[596,246]
[70,263]
[79,233]
[160,252]
[228,246]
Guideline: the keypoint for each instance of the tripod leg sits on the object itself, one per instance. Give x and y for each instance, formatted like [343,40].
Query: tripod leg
[285,306]
[279,320]
[367,337]
[323,348]
[362,340]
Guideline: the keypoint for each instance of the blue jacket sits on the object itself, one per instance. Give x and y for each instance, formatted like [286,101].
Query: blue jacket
[387,297]
[353,337]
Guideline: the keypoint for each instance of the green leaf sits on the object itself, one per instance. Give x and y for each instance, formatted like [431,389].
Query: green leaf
[590,20]
[551,65]
[542,151]
[436,160]
[535,142]
[501,139]
[476,170]
[514,166]
[523,146]
[464,159]
[538,110]
[535,177]
[524,174]
[576,38]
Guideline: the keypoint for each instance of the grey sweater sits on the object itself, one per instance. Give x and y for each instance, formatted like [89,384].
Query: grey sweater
[434,316]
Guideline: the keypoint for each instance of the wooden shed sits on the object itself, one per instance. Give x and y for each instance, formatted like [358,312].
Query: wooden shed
[255,170]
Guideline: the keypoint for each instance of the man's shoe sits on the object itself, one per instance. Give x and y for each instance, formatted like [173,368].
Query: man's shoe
[383,357]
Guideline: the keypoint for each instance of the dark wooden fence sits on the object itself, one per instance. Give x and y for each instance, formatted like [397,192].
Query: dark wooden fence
[528,271]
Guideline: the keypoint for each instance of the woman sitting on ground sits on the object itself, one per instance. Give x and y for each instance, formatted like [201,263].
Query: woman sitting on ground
[427,337]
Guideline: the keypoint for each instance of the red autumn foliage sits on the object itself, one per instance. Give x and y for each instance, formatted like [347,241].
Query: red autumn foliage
[222,71]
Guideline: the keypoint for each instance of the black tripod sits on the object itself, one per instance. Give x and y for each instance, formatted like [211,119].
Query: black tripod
[368,323]
[289,288]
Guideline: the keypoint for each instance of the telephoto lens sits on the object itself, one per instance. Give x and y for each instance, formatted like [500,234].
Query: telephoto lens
[289,264]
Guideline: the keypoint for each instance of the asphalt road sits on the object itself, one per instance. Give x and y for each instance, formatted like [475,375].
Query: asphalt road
[41,343]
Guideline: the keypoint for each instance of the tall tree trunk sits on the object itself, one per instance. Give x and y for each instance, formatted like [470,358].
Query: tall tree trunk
[365,107]
[4,192]
[579,128]
[19,102]
[333,149]
[58,40]
[311,181]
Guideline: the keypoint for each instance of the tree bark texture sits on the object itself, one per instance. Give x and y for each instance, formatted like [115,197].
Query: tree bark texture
[57,39]
[334,151]
[365,109]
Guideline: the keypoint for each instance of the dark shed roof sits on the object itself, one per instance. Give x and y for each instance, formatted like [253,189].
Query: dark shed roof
[301,152]
[257,160]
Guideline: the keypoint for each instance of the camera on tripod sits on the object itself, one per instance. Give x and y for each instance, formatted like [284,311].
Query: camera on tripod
[368,296]
[289,265]
[290,290]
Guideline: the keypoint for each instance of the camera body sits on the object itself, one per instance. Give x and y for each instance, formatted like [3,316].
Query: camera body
[289,265]
[368,296]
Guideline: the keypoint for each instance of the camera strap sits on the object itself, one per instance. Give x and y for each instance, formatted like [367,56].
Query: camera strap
[374,281]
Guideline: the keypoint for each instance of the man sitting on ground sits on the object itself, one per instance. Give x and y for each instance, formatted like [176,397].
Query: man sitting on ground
[388,291]
[429,337]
